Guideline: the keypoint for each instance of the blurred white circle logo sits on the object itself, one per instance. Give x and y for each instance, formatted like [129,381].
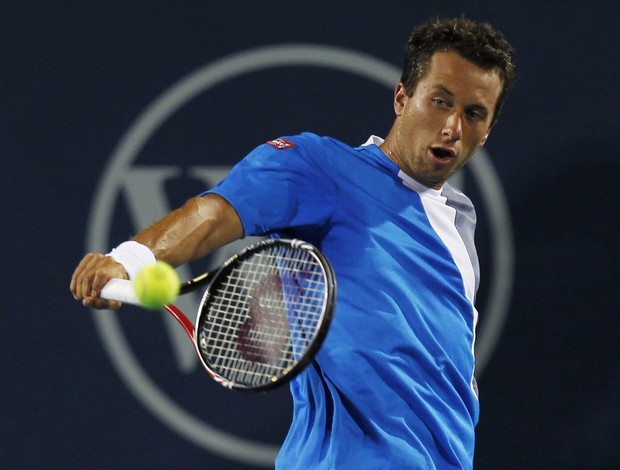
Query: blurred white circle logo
[142,188]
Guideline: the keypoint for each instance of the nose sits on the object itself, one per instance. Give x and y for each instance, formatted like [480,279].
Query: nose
[452,128]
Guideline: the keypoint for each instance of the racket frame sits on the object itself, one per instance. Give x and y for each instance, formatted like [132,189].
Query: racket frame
[325,319]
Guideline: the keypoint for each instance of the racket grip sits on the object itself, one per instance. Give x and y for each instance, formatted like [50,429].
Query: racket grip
[120,290]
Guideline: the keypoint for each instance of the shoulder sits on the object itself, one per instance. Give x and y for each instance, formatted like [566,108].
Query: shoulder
[457,199]
[454,194]
[313,149]
[308,141]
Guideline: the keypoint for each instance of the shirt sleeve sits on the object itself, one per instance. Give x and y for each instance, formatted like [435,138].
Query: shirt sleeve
[281,184]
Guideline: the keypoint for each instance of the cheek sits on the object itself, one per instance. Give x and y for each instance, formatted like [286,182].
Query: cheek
[476,138]
[418,119]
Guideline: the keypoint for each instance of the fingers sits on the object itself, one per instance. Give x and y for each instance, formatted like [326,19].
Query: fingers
[80,276]
[75,286]
[98,303]
[92,273]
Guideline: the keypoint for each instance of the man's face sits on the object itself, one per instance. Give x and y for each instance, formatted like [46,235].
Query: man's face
[446,119]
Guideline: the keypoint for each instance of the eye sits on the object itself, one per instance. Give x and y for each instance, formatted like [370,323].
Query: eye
[440,102]
[476,115]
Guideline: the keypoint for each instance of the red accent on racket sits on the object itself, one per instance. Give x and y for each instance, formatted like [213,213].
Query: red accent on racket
[263,316]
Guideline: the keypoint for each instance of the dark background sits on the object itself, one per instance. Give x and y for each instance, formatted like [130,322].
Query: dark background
[75,77]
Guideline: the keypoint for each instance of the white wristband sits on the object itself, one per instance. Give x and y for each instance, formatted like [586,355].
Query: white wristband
[133,256]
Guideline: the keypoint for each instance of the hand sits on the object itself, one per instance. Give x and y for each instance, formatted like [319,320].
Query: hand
[93,272]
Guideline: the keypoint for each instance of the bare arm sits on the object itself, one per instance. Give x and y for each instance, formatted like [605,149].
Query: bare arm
[200,226]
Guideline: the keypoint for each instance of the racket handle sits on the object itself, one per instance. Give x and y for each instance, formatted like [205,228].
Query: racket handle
[120,290]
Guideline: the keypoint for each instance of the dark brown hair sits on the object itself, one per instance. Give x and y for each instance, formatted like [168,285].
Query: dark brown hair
[479,43]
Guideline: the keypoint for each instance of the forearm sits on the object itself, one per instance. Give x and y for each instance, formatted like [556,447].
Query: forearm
[200,226]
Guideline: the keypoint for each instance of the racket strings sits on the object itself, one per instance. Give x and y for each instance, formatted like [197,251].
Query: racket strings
[264,315]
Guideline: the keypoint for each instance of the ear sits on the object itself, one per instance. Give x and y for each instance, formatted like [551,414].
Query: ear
[400,98]
[486,136]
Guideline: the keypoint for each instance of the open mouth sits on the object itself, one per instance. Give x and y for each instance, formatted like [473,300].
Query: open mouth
[441,154]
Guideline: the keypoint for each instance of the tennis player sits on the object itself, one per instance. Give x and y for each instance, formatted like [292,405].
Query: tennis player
[393,385]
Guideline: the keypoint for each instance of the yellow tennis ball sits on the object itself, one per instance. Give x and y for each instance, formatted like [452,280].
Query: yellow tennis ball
[156,285]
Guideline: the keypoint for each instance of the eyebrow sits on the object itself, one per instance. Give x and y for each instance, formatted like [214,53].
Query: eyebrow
[477,107]
[444,89]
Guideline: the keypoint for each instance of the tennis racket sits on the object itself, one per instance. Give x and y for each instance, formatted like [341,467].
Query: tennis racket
[263,316]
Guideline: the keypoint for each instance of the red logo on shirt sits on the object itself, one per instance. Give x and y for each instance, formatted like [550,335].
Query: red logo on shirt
[281,143]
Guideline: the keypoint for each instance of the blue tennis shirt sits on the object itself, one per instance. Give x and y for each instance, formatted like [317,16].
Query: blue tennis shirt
[393,385]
